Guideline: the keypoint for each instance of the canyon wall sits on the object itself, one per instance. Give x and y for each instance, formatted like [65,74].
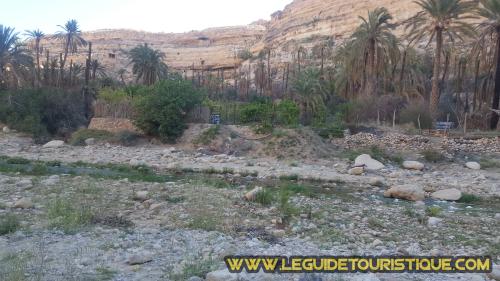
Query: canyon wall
[303,23]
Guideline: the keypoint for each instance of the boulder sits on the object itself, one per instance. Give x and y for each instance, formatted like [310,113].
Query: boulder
[90,141]
[250,196]
[141,196]
[356,171]
[6,130]
[413,165]
[23,203]
[368,162]
[473,165]
[136,162]
[377,181]
[434,222]
[451,194]
[52,180]
[53,144]
[139,258]
[407,192]
[24,184]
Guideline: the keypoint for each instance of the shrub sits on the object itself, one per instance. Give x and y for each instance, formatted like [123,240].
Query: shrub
[434,156]
[78,138]
[207,136]
[126,138]
[45,111]
[163,110]
[257,112]
[412,113]
[469,198]
[433,211]
[65,216]
[8,224]
[288,113]
[264,197]
[245,54]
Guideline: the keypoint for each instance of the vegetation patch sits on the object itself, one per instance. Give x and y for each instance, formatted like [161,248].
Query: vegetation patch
[469,198]
[9,223]
[79,137]
[207,136]
[67,216]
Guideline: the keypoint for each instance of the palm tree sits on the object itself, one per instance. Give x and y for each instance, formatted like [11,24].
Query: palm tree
[147,64]
[490,28]
[374,39]
[438,18]
[71,35]
[309,92]
[14,58]
[36,35]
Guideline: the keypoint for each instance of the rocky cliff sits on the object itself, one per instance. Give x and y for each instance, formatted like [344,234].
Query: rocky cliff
[303,23]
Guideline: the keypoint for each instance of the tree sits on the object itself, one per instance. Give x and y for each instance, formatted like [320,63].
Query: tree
[309,92]
[37,36]
[489,28]
[375,41]
[438,18]
[71,35]
[14,58]
[147,64]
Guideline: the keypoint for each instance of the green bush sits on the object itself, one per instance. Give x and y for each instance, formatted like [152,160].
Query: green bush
[8,224]
[207,136]
[162,110]
[256,112]
[126,138]
[288,113]
[44,112]
[78,138]
[412,113]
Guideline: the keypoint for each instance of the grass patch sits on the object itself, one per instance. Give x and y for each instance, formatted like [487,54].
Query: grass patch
[293,177]
[469,198]
[375,223]
[203,222]
[286,209]
[18,161]
[489,163]
[105,273]
[294,188]
[434,211]
[433,156]
[9,223]
[78,138]
[174,199]
[207,136]
[198,269]
[264,197]
[68,217]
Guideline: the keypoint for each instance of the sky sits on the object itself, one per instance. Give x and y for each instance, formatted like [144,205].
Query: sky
[144,15]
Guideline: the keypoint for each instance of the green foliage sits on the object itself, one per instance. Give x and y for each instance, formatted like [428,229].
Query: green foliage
[469,198]
[147,64]
[126,138]
[245,54]
[264,197]
[413,112]
[18,161]
[207,136]
[433,211]
[113,96]
[198,269]
[43,112]
[68,217]
[78,138]
[257,112]
[9,223]
[288,113]
[204,222]
[163,110]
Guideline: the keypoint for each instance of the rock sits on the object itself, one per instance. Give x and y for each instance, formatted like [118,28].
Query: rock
[497,216]
[23,203]
[250,196]
[406,192]
[140,258]
[451,194]
[473,165]
[434,222]
[368,162]
[156,206]
[495,273]
[141,196]
[356,171]
[90,141]
[376,242]
[222,275]
[53,144]
[413,165]
[136,162]
[195,278]
[25,184]
[6,130]
[377,181]
[52,180]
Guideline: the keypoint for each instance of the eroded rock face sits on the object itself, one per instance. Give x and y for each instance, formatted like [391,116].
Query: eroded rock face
[406,192]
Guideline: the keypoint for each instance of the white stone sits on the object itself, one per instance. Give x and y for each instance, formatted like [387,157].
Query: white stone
[6,129]
[356,171]
[377,181]
[90,141]
[434,222]
[141,196]
[54,144]
[136,162]
[23,203]
[369,163]
[406,192]
[413,165]
[473,165]
[451,194]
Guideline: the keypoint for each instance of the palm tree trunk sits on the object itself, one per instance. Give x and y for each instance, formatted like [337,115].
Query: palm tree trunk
[37,47]
[370,79]
[496,98]
[434,101]
[63,61]
[476,75]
